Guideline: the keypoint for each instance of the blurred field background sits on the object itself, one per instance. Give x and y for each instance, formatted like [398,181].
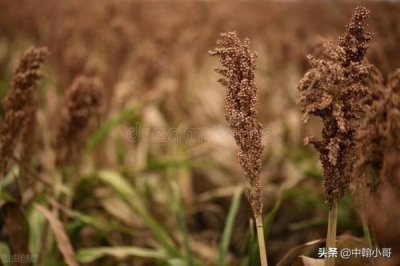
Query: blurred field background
[163,142]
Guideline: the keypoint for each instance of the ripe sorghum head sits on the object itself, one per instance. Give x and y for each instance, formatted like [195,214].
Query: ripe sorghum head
[334,89]
[238,71]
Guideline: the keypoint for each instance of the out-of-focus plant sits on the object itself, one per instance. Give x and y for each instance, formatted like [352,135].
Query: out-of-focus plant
[20,107]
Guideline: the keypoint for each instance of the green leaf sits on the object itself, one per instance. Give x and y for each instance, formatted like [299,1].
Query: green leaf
[119,184]
[230,221]
[9,177]
[180,213]
[101,133]
[87,255]
[129,195]
[252,253]
[5,196]
[269,218]
[98,224]
[173,163]
[36,222]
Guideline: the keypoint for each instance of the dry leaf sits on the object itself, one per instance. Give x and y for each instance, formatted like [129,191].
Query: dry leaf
[64,245]
[311,262]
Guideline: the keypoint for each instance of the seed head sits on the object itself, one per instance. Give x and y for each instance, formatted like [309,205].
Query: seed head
[83,105]
[356,40]
[20,103]
[333,90]
[238,71]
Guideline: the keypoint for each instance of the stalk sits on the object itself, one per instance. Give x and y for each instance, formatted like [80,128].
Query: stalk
[367,232]
[359,199]
[261,241]
[331,234]
[324,93]
[238,71]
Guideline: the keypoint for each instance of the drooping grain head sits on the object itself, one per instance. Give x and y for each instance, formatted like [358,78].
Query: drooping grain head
[20,103]
[83,106]
[333,90]
[238,71]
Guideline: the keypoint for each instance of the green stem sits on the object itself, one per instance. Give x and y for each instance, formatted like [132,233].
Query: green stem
[359,199]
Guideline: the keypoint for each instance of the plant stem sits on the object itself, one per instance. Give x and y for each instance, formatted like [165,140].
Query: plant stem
[364,222]
[261,241]
[367,232]
[331,234]
[359,199]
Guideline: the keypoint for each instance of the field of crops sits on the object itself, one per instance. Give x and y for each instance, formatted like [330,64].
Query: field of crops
[119,147]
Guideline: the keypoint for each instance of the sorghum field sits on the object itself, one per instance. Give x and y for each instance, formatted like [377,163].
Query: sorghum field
[118,145]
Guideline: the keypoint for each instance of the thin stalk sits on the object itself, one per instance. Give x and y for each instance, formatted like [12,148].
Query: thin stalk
[367,232]
[43,245]
[261,241]
[331,234]
[359,199]
[365,226]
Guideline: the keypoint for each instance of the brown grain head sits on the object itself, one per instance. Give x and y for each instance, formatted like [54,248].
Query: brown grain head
[333,90]
[238,73]
[83,106]
[20,103]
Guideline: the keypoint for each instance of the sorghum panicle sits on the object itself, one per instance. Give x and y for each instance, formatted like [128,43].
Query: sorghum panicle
[20,103]
[333,90]
[241,113]
[82,106]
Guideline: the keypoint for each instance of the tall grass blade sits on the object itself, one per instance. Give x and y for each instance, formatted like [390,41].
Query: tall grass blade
[180,214]
[269,218]
[230,221]
[129,195]
[101,133]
